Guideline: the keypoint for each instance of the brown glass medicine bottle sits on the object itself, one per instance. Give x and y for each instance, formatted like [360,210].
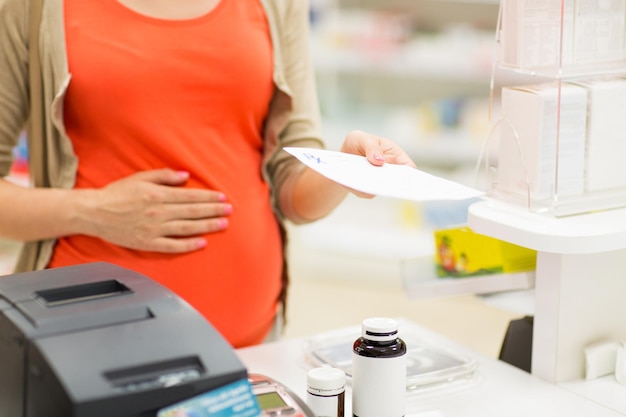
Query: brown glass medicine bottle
[379,370]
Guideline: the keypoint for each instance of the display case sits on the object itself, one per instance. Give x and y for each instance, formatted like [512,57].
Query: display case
[559,81]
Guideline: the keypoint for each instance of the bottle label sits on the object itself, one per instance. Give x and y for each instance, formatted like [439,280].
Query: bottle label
[378,386]
[326,406]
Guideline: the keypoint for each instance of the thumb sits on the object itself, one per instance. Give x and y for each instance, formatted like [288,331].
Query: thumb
[365,144]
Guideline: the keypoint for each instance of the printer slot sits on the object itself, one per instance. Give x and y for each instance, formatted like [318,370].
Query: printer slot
[157,374]
[83,292]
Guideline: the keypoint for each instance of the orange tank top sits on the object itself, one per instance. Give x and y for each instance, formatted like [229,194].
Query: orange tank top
[189,95]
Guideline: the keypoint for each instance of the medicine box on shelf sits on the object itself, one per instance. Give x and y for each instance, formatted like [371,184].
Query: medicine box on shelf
[560,77]
[563,33]
[462,253]
[535,143]
[560,146]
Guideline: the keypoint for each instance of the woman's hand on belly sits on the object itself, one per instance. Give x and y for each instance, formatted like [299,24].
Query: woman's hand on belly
[151,211]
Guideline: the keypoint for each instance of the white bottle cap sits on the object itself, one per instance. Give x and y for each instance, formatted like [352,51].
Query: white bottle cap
[326,381]
[379,329]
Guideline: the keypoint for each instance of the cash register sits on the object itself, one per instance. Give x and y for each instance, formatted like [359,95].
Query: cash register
[98,340]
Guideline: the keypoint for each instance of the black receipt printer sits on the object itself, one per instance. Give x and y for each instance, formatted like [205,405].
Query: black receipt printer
[98,340]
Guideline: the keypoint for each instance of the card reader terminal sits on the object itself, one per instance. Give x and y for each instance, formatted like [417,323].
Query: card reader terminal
[276,400]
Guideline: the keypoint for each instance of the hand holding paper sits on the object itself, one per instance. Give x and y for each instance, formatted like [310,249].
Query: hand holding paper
[389,180]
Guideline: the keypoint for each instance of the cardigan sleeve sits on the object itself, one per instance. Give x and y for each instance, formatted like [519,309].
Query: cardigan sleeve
[14,102]
[294,117]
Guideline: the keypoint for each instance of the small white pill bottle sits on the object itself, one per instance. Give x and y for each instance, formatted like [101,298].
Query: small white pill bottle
[379,370]
[326,391]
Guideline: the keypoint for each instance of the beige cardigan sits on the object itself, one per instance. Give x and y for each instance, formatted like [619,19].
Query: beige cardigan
[293,116]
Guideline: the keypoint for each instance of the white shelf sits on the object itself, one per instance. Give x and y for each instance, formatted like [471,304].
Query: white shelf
[372,3]
[581,234]
[578,280]
[450,69]
[404,51]
[435,12]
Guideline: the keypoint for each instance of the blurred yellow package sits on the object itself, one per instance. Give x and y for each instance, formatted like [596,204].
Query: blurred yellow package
[463,253]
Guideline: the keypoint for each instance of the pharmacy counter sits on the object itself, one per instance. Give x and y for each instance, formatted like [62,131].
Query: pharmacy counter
[495,389]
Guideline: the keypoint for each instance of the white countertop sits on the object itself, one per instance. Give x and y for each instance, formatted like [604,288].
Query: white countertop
[498,389]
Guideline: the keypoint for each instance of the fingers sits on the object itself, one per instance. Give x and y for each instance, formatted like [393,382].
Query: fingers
[163,176]
[152,211]
[188,228]
[183,236]
[194,211]
[191,219]
[180,226]
[174,195]
[168,190]
[176,236]
[377,149]
[176,245]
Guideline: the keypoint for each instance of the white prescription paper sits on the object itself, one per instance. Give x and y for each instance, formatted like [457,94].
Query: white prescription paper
[390,180]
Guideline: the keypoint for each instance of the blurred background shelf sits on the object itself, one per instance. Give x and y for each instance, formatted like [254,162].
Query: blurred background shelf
[416,71]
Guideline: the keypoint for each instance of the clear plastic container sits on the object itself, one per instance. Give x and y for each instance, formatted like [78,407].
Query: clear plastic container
[430,368]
